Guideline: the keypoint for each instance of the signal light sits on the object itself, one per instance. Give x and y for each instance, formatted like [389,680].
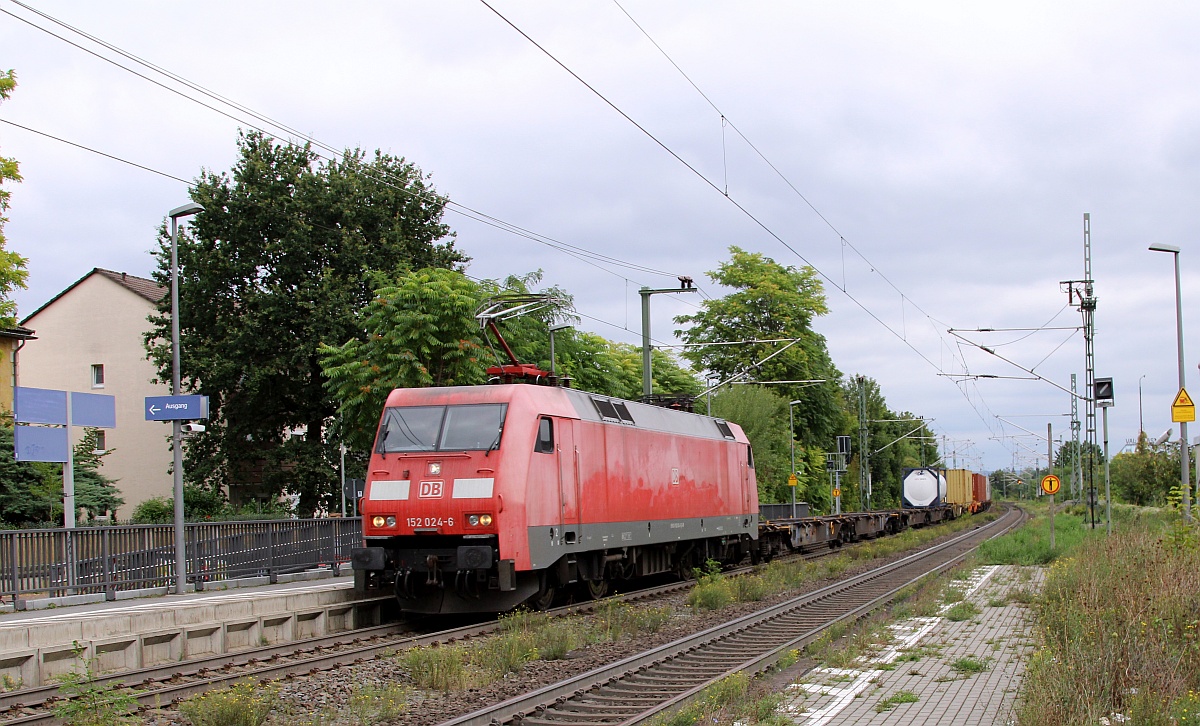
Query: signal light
[485,519]
[377,521]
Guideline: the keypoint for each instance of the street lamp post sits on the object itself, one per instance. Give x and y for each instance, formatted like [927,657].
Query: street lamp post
[176,426]
[1141,421]
[792,441]
[1185,479]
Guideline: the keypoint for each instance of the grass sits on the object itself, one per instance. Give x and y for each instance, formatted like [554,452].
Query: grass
[1119,629]
[960,611]
[1030,545]
[733,700]
[896,699]
[970,665]
[244,704]
[523,637]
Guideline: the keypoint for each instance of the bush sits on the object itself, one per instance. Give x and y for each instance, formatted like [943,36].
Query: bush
[158,510]
[712,590]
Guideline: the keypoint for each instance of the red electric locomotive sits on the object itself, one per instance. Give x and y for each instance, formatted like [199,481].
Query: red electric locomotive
[481,498]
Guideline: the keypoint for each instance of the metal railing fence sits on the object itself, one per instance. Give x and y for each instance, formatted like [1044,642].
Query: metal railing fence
[39,563]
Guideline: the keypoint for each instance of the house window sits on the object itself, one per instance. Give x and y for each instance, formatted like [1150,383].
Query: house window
[101,443]
[97,375]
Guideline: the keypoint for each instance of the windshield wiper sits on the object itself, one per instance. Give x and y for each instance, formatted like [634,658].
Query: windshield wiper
[495,443]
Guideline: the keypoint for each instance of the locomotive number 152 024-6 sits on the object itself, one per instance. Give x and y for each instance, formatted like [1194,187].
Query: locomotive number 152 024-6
[430,521]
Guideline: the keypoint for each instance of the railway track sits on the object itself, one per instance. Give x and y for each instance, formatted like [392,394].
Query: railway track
[168,684]
[639,687]
[153,687]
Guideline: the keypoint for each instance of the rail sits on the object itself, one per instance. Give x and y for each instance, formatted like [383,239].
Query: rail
[48,563]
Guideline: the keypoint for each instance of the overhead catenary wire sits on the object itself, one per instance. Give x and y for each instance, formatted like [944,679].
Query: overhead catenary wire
[739,206]
[261,122]
[725,121]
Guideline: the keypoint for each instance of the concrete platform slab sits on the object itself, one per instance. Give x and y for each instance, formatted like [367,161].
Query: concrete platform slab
[937,671]
[38,645]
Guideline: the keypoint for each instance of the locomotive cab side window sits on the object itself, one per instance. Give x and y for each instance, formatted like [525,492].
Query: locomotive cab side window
[750,456]
[545,437]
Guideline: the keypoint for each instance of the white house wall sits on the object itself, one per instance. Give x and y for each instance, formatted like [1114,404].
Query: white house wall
[99,321]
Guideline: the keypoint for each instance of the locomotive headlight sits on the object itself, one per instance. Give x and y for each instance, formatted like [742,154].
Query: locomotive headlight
[377,521]
[485,519]
[473,520]
[435,468]
[391,521]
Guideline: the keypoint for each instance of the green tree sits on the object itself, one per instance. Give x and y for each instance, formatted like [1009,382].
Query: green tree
[282,259]
[1146,475]
[769,301]
[763,415]
[26,491]
[13,274]
[94,492]
[897,441]
[420,331]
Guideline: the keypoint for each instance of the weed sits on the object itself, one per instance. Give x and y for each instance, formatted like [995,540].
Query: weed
[558,638]
[439,669]
[894,700]
[1022,595]
[506,652]
[617,620]
[952,594]
[970,665]
[372,704]
[997,601]
[244,704]
[87,702]
[964,610]
[8,683]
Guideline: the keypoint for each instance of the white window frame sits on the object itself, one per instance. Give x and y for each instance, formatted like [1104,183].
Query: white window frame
[98,380]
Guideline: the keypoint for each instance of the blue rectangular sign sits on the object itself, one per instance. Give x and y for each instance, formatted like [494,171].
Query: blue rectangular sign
[40,443]
[176,408]
[94,409]
[40,405]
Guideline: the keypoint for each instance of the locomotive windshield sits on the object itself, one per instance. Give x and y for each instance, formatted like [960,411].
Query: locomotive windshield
[473,427]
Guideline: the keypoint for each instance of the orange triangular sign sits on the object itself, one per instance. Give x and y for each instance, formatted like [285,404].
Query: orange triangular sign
[1183,399]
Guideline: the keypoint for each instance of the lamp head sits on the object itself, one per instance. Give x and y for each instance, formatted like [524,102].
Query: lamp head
[1157,247]
[186,210]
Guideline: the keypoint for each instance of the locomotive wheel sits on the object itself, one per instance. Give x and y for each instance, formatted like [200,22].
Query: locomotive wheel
[597,589]
[543,598]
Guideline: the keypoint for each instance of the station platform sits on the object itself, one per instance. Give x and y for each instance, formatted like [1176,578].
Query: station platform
[38,645]
[936,671]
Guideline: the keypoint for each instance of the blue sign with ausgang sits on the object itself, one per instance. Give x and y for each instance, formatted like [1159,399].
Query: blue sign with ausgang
[176,408]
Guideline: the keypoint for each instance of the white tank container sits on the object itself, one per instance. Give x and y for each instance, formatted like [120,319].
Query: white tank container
[923,488]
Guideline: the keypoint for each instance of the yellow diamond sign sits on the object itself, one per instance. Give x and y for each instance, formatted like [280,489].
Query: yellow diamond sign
[1183,410]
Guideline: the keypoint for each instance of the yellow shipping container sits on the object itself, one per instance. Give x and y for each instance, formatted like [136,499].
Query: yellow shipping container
[958,486]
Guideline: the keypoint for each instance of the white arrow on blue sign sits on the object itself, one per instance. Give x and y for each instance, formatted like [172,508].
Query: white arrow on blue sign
[176,408]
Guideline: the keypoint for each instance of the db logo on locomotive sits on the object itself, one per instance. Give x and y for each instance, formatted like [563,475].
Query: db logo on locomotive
[430,490]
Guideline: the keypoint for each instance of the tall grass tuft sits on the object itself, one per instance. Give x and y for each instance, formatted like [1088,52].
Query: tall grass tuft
[439,669]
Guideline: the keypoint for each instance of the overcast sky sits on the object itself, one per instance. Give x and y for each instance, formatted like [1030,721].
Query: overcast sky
[935,161]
